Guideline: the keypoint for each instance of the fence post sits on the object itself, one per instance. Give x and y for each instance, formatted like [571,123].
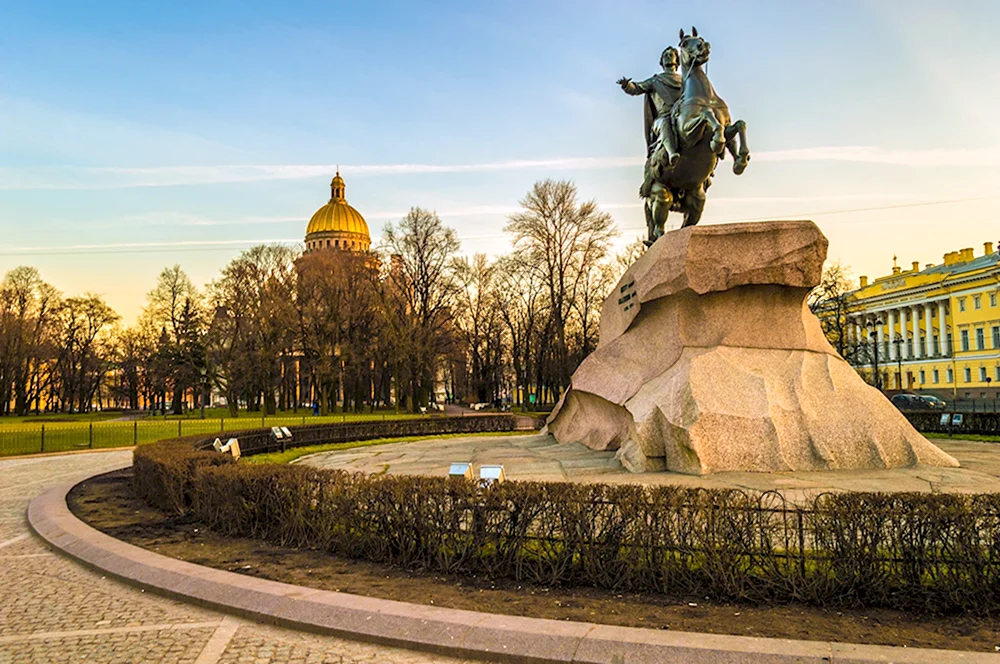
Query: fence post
[261,421]
[90,435]
[222,425]
[179,428]
[303,420]
[802,544]
[135,432]
[43,438]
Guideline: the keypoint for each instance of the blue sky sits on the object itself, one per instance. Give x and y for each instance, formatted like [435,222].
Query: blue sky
[138,135]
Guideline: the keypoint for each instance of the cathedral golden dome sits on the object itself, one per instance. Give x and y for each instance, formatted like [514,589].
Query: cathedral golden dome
[337,225]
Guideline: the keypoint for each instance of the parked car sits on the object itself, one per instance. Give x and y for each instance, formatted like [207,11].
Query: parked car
[909,402]
[933,402]
[906,401]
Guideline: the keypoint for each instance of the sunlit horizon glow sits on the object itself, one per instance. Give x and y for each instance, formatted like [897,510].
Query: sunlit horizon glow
[137,137]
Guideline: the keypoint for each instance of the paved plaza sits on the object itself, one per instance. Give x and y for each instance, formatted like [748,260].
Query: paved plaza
[539,457]
[54,610]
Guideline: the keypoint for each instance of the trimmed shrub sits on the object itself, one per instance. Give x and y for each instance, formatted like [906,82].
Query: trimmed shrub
[926,552]
[163,473]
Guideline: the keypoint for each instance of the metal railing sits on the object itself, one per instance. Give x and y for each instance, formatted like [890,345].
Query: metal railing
[987,424]
[260,441]
[34,438]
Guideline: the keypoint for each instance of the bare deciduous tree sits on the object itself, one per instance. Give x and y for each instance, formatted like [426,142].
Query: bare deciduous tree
[560,240]
[830,302]
[419,293]
[28,310]
[84,354]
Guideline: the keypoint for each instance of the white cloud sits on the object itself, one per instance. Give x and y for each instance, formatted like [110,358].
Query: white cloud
[139,246]
[893,157]
[69,177]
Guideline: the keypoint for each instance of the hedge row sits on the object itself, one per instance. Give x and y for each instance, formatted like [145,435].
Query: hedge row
[258,441]
[938,553]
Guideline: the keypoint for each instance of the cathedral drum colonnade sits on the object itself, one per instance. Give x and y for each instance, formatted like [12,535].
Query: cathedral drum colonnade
[337,225]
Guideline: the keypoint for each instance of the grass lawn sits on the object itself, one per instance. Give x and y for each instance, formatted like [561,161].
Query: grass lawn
[42,434]
[291,455]
[48,418]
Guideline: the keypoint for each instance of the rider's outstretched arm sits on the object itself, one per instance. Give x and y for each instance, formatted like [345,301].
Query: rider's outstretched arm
[633,88]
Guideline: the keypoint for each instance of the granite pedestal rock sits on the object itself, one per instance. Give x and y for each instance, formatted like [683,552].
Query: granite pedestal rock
[709,360]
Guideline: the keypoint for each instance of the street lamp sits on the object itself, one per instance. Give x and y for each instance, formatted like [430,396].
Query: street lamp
[204,384]
[873,328]
[898,342]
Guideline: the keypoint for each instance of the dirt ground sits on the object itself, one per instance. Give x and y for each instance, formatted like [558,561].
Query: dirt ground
[107,504]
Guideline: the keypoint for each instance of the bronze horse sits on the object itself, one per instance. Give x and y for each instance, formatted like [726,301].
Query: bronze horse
[704,131]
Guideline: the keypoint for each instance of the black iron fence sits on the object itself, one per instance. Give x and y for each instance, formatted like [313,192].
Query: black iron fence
[926,552]
[955,423]
[259,441]
[987,405]
[32,438]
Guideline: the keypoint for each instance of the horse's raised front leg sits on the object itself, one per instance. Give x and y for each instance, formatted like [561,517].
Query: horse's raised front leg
[742,156]
[718,143]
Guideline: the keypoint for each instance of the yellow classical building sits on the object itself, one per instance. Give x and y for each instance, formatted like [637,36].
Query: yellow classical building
[337,225]
[935,329]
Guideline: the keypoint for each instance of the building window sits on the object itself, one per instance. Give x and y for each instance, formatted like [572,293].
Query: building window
[996,336]
[977,302]
[936,376]
[993,299]
[996,370]
[951,375]
[961,304]
[980,338]
[923,377]
[968,375]
[982,374]
[965,340]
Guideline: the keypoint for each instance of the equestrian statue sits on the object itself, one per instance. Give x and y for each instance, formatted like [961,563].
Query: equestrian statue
[688,129]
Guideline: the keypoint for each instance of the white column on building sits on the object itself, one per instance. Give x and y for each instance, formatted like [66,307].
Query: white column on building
[904,332]
[880,334]
[929,336]
[859,330]
[915,313]
[892,334]
[942,329]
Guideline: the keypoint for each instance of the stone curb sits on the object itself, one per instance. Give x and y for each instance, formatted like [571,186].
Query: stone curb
[453,632]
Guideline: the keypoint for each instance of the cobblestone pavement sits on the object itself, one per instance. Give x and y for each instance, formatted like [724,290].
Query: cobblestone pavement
[55,610]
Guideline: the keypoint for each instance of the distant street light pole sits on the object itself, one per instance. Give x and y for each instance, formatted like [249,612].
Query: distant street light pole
[898,342]
[204,384]
[873,328]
